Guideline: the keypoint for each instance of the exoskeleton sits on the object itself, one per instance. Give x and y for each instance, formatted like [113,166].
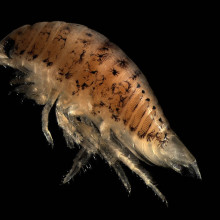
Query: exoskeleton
[103,101]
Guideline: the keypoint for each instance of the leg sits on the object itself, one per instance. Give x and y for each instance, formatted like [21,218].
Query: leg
[63,118]
[81,159]
[132,163]
[72,135]
[118,169]
[45,115]
[105,130]
[109,156]
[68,129]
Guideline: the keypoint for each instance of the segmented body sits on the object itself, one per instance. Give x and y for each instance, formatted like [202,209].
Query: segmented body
[104,102]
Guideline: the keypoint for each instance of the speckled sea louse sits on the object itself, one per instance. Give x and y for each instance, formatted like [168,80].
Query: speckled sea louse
[103,101]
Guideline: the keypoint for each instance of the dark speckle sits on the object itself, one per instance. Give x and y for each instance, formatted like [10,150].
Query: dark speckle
[147,99]
[67,28]
[101,103]
[105,47]
[132,128]
[81,56]
[77,84]
[85,42]
[125,121]
[136,74]
[46,60]
[93,72]
[102,57]
[129,86]
[154,107]
[68,75]
[113,87]
[122,63]
[35,56]
[59,37]
[143,91]
[114,72]
[115,117]
[138,85]
[89,34]
[49,63]
[22,52]
[160,120]
[84,85]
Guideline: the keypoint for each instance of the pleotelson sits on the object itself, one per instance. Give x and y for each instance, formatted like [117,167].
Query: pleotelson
[84,60]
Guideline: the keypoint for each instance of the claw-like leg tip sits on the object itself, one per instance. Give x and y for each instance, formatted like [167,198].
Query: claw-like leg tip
[166,203]
[66,179]
[51,144]
[49,138]
[128,188]
[159,194]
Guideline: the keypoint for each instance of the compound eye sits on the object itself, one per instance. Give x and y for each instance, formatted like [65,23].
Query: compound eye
[8,46]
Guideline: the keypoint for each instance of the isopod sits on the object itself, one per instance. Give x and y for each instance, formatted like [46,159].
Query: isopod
[103,101]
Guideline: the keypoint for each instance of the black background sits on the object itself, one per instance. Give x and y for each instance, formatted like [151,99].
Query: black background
[169,44]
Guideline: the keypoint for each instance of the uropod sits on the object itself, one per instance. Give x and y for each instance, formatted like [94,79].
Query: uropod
[102,100]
